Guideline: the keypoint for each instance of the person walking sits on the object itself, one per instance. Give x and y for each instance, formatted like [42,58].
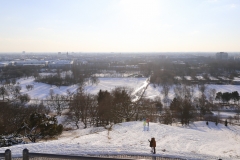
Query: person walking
[153,145]
[148,120]
[144,124]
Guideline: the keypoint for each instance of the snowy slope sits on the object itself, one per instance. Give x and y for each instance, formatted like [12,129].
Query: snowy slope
[41,90]
[197,141]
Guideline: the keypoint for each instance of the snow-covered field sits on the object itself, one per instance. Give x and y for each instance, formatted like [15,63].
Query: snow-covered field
[225,114]
[42,90]
[156,91]
[197,141]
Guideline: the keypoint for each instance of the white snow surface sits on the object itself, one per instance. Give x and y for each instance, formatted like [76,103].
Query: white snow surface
[189,78]
[224,78]
[200,78]
[197,141]
[212,78]
[153,92]
[225,114]
[41,90]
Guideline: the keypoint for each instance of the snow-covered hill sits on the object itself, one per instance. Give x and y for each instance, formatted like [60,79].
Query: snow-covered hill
[197,141]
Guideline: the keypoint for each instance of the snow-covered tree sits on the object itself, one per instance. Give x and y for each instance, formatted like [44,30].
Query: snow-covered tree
[40,125]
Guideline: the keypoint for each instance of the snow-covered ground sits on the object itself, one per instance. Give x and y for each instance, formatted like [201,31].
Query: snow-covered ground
[41,90]
[178,78]
[200,77]
[197,141]
[225,114]
[212,78]
[189,78]
[152,91]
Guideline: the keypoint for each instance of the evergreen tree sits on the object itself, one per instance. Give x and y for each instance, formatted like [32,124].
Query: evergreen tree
[40,125]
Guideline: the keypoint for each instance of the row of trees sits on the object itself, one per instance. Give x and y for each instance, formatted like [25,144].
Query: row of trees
[20,119]
[104,108]
[187,105]
[12,72]
[31,122]
[164,71]
[80,74]
[119,104]
[227,96]
[14,93]
[110,107]
[68,79]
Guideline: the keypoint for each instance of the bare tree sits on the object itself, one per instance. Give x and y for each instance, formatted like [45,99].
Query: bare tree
[202,88]
[29,87]
[144,109]
[24,98]
[92,109]
[57,102]
[158,104]
[3,92]
[183,110]
[184,92]
[94,80]
[211,95]
[165,91]
[51,93]
[16,91]
[166,117]
[79,107]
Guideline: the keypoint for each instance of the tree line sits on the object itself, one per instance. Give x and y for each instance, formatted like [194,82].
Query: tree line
[105,107]
[188,107]
[227,96]
[33,120]
[83,110]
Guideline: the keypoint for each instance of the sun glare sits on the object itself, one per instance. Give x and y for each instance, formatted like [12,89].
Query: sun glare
[140,10]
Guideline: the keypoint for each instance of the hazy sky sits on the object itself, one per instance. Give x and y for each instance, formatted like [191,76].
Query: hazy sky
[119,25]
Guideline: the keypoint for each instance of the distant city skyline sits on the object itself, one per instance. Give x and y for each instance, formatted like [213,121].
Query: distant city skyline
[120,26]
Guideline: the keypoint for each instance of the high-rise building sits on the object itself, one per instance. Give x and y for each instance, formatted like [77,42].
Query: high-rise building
[222,55]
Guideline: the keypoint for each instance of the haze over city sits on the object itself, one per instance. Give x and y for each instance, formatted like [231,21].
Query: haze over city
[120,79]
[119,26]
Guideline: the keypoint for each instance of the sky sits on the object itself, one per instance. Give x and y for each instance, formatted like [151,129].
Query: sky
[120,25]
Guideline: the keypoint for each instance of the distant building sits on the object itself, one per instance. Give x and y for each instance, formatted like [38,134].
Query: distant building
[222,55]
[236,81]
[60,63]
[30,62]
[4,64]
[163,57]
